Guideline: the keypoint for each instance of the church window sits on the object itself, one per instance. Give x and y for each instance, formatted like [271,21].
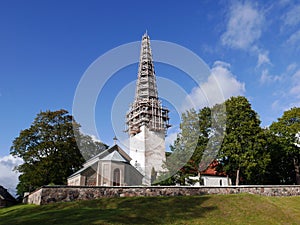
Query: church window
[116,177]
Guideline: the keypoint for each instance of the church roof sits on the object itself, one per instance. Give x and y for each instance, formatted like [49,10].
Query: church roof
[81,170]
[211,170]
[108,151]
[4,194]
[114,156]
[114,153]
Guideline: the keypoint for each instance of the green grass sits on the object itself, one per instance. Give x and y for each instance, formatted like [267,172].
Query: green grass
[212,209]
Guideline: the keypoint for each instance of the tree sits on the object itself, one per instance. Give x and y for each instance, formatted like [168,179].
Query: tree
[243,153]
[49,150]
[229,132]
[287,130]
[279,170]
[188,147]
[89,147]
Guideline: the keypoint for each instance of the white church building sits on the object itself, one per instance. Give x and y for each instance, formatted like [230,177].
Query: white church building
[147,123]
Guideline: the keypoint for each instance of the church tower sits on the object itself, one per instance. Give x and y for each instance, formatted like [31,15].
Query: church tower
[147,120]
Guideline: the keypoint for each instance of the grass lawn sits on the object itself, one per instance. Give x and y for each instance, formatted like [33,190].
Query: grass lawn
[212,209]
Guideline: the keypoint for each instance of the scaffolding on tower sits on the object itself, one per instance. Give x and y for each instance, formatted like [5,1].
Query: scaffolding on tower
[146,109]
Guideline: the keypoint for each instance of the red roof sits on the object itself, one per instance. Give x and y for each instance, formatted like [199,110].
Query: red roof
[212,170]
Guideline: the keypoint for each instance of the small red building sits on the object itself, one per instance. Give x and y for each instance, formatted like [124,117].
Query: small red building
[212,177]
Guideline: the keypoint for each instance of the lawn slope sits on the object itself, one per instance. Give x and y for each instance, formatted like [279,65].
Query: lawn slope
[212,209]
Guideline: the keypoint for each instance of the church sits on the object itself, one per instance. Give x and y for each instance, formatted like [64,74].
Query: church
[147,123]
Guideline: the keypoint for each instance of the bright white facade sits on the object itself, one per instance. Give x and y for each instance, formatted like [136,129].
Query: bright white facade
[211,181]
[215,181]
[147,150]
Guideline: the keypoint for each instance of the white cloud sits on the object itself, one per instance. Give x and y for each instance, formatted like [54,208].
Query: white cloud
[94,138]
[290,96]
[284,2]
[296,76]
[295,90]
[221,85]
[170,139]
[8,177]
[244,29]
[275,105]
[291,67]
[263,58]
[244,26]
[294,39]
[292,17]
[267,78]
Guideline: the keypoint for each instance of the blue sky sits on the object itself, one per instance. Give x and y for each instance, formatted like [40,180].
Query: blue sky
[252,48]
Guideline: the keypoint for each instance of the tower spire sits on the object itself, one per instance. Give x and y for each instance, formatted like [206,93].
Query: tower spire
[146,109]
[146,84]
[147,120]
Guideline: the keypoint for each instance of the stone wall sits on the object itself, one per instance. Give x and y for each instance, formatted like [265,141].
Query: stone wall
[51,194]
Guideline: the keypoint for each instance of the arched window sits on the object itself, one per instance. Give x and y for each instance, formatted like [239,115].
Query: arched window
[117,177]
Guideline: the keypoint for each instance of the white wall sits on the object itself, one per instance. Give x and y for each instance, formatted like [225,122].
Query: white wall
[147,148]
[76,180]
[215,181]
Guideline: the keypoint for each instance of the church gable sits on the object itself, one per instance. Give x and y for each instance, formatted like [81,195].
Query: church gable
[109,168]
[114,156]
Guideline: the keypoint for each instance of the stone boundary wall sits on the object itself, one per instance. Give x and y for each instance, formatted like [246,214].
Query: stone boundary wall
[51,194]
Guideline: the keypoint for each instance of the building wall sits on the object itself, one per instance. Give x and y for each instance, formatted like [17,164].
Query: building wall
[132,176]
[2,202]
[77,180]
[36,197]
[51,194]
[105,175]
[215,181]
[137,150]
[147,150]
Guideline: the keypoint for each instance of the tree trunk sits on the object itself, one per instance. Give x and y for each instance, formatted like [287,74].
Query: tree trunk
[237,177]
[297,170]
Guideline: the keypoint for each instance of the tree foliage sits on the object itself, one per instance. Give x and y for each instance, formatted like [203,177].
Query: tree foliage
[287,132]
[229,132]
[188,147]
[89,147]
[49,150]
[280,170]
[243,153]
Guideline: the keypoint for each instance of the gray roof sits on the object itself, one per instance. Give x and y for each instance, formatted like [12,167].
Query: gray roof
[114,156]
[79,171]
[103,154]
[5,194]
[114,153]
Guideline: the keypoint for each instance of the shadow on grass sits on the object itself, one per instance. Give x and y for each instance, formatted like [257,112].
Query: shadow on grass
[137,210]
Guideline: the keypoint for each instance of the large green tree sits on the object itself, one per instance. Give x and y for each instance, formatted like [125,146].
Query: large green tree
[280,169]
[188,147]
[243,154]
[49,150]
[287,131]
